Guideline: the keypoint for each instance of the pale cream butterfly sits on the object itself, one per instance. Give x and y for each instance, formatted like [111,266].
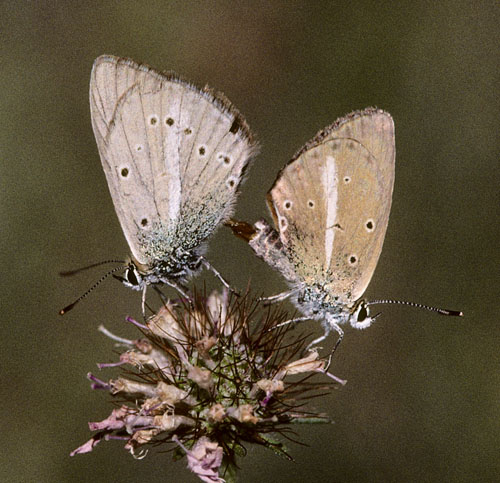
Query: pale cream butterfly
[174,157]
[330,206]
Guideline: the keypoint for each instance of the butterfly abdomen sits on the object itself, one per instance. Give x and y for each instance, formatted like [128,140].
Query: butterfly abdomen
[268,246]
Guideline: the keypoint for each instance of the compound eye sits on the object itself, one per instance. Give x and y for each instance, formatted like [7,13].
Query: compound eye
[363,313]
[131,276]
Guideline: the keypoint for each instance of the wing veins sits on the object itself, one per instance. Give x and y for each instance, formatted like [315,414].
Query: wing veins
[206,164]
[149,150]
[195,138]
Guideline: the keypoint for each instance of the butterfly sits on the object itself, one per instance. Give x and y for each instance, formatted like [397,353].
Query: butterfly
[330,205]
[174,157]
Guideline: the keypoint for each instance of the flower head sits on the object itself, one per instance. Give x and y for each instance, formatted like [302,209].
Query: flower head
[210,377]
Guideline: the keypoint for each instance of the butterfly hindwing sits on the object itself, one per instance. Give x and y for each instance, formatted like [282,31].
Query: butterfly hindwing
[331,203]
[215,154]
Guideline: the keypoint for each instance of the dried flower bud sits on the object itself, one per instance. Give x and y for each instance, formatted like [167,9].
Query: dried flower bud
[202,377]
[203,347]
[165,324]
[131,387]
[216,413]
[217,306]
[311,363]
[136,358]
[142,436]
[143,345]
[269,385]
[226,324]
[171,395]
[170,422]
[115,421]
[244,414]
[205,459]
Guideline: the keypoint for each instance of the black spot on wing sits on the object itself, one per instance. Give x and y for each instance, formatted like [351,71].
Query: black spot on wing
[235,126]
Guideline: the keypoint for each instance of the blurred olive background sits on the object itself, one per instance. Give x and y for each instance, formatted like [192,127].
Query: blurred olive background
[422,399]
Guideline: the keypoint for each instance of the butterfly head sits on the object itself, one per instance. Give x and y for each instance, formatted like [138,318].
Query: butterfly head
[179,266]
[133,276]
[360,317]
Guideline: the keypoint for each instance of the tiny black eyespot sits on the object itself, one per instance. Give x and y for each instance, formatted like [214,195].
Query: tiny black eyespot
[153,120]
[352,259]
[144,221]
[225,159]
[231,182]
[288,205]
[202,151]
[369,225]
[310,204]
[169,121]
[187,131]
[124,172]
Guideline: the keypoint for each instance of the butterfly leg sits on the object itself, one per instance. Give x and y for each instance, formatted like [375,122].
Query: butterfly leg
[291,321]
[143,302]
[276,298]
[328,328]
[210,267]
[179,289]
[339,340]
[319,339]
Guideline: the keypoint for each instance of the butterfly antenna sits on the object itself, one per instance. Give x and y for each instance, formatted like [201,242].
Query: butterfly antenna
[104,277]
[454,313]
[82,269]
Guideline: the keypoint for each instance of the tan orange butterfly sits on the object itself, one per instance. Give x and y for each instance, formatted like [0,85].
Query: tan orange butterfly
[330,206]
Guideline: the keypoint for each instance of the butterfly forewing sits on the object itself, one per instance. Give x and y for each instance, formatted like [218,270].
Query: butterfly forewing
[215,159]
[161,140]
[332,203]
[131,159]
[110,78]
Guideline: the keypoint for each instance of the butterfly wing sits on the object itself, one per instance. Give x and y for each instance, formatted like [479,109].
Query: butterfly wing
[331,203]
[173,155]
